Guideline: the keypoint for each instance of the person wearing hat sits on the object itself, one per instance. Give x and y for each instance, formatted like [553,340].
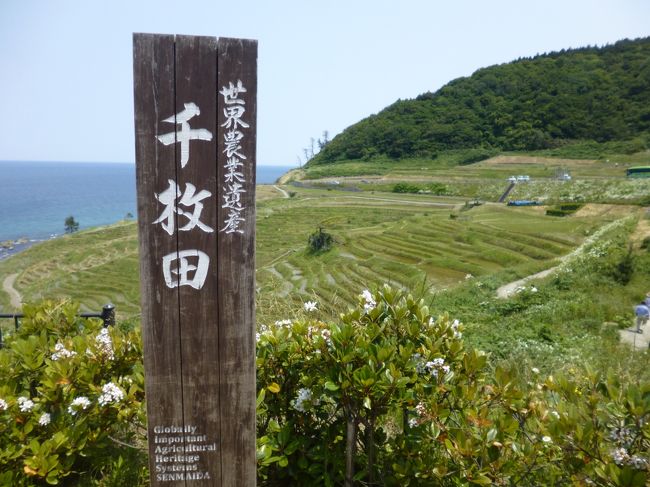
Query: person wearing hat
[642,312]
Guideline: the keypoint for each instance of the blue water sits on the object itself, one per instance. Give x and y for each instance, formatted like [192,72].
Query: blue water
[37,197]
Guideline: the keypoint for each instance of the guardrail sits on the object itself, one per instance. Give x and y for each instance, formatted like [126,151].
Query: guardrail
[107,316]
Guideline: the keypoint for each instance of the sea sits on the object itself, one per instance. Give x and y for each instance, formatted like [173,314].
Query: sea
[37,197]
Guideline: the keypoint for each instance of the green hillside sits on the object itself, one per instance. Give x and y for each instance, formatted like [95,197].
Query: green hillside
[597,99]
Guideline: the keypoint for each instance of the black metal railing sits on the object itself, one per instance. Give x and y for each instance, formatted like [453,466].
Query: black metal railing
[107,316]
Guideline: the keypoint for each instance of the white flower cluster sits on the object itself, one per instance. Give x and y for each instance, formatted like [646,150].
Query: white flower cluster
[622,457]
[419,363]
[454,326]
[327,336]
[45,419]
[110,394]
[598,250]
[420,409]
[413,422]
[25,404]
[79,402]
[61,352]
[310,306]
[3,405]
[622,435]
[432,367]
[324,333]
[468,277]
[105,344]
[436,365]
[370,302]
[521,289]
[304,396]
[263,329]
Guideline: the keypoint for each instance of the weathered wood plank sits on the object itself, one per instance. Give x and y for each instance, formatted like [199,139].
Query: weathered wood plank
[237,67]
[153,66]
[195,103]
[196,83]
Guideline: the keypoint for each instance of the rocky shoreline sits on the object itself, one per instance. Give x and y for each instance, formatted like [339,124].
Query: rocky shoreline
[11,247]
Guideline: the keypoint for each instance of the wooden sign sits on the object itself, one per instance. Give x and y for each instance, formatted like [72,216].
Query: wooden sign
[195,124]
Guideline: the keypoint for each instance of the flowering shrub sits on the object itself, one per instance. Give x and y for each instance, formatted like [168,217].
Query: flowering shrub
[388,395]
[70,401]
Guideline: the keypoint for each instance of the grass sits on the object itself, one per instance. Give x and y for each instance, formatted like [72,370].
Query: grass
[94,267]
[454,256]
[403,240]
[599,178]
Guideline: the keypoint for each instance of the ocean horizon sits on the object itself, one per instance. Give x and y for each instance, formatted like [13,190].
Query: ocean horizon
[36,197]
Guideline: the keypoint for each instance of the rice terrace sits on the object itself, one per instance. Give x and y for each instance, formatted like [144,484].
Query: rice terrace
[402,239]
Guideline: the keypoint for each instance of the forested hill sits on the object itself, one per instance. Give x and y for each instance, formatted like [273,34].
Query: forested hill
[600,94]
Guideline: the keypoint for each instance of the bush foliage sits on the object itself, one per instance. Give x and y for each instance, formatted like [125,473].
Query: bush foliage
[70,401]
[319,241]
[387,394]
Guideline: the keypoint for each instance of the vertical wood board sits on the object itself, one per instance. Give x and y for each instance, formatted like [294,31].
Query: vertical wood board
[237,67]
[197,271]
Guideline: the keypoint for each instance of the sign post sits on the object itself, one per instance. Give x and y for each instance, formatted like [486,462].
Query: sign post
[195,125]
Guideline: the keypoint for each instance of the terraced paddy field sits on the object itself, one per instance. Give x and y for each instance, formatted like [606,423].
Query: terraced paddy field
[413,241]
[593,180]
[94,267]
[404,243]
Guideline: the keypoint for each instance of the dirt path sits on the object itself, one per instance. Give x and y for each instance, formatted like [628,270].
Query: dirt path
[8,287]
[284,193]
[509,289]
[638,341]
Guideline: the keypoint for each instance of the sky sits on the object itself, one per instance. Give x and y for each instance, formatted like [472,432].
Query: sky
[67,74]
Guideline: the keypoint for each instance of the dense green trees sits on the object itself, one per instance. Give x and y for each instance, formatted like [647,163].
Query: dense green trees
[588,94]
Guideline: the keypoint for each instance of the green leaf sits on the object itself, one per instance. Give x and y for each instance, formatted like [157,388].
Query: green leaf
[260,398]
[331,386]
[491,435]
[481,479]
[367,403]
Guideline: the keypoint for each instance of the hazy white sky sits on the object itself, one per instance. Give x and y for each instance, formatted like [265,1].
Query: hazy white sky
[66,76]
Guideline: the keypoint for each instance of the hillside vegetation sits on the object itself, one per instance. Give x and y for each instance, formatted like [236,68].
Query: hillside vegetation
[588,101]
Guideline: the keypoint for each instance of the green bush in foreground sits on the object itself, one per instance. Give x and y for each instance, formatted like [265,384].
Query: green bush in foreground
[389,396]
[70,401]
[385,395]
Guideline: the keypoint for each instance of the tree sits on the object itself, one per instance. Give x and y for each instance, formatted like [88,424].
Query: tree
[324,141]
[320,241]
[71,225]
